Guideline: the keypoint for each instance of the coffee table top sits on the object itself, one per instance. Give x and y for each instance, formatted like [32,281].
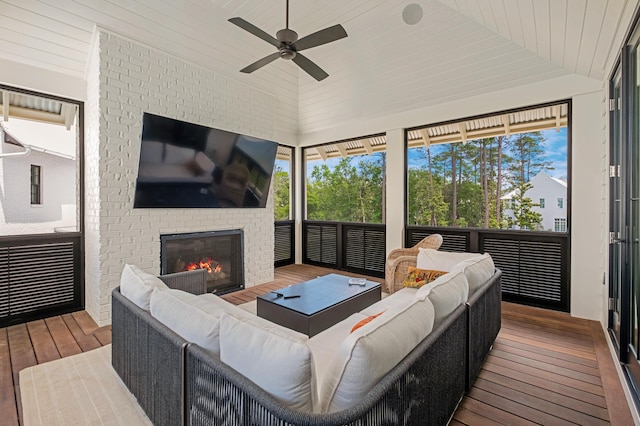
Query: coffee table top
[318,294]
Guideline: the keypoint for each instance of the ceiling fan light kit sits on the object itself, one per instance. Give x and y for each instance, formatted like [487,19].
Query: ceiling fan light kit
[289,47]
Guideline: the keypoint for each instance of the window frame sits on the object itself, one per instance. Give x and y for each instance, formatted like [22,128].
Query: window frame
[494,114]
[35,187]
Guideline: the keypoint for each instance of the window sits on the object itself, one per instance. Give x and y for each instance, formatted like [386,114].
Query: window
[36,184]
[345,180]
[491,171]
[282,178]
[560,225]
[561,203]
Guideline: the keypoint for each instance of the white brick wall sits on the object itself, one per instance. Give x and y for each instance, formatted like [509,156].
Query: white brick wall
[126,79]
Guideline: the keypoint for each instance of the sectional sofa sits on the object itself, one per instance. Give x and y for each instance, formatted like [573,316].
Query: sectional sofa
[192,358]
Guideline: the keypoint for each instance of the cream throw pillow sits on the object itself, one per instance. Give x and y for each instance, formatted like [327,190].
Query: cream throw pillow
[194,318]
[441,260]
[137,285]
[446,293]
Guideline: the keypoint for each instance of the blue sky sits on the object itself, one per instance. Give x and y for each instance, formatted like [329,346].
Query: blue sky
[555,146]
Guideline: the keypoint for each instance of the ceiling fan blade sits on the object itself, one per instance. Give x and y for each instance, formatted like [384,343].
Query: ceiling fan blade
[261,63]
[247,26]
[321,37]
[310,68]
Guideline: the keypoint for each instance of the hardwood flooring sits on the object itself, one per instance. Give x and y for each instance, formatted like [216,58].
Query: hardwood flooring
[545,367]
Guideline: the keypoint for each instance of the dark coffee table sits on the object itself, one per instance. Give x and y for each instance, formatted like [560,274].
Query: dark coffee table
[323,302]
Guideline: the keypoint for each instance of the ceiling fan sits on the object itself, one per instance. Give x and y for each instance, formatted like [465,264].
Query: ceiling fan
[289,46]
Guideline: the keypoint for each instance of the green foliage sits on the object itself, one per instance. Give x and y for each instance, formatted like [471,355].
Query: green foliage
[427,205]
[523,215]
[281,182]
[350,192]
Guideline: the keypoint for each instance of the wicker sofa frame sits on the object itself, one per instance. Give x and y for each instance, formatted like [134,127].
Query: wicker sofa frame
[177,382]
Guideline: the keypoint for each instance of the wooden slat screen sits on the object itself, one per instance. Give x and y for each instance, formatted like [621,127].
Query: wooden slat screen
[364,250]
[40,278]
[351,247]
[284,253]
[4,282]
[321,244]
[534,265]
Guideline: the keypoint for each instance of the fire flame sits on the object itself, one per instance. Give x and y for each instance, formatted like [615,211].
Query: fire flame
[209,264]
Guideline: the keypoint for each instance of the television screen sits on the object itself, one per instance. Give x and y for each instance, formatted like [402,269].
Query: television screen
[186,165]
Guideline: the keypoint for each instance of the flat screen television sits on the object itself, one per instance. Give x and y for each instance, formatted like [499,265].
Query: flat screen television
[186,165]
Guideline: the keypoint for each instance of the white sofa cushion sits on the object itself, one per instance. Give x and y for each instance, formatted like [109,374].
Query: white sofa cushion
[446,293]
[137,285]
[370,352]
[194,318]
[273,357]
[398,299]
[441,260]
[477,270]
[323,345]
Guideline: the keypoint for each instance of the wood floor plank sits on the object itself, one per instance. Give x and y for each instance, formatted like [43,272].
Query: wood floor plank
[20,349]
[43,344]
[576,343]
[518,409]
[546,352]
[552,377]
[85,342]
[546,394]
[616,400]
[575,366]
[8,403]
[64,341]
[500,416]
[540,404]
[545,383]
[544,365]
[472,418]
[547,344]
[84,320]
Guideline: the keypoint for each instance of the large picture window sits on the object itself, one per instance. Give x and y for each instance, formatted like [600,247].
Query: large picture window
[490,172]
[345,181]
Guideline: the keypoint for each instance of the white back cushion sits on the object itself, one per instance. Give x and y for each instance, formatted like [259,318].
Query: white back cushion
[441,260]
[273,357]
[446,293]
[194,318]
[137,285]
[477,270]
[370,352]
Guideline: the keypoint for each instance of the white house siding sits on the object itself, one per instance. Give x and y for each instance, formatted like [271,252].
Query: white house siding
[546,188]
[58,196]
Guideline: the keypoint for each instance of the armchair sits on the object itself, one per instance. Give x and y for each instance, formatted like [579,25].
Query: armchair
[399,260]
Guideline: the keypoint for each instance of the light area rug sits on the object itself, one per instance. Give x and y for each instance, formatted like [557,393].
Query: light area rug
[81,389]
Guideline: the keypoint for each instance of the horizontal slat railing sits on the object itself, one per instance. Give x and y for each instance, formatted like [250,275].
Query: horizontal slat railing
[40,275]
[284,243]
[535,265]
[353,247]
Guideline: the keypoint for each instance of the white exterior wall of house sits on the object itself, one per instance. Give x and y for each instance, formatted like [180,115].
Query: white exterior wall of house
[545,191]
[58,180]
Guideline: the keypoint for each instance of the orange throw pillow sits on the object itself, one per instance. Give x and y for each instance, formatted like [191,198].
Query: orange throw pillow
[366,320]
[416,277]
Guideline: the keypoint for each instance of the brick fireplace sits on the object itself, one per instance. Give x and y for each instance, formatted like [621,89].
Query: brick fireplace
[119,93]
[219,252]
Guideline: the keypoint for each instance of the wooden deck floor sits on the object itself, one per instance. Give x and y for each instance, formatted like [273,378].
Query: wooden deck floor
[545,367]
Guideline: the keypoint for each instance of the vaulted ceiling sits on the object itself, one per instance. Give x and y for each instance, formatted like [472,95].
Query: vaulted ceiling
[460,48]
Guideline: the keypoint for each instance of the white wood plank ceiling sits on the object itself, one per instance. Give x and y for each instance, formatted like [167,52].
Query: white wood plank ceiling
[459,49]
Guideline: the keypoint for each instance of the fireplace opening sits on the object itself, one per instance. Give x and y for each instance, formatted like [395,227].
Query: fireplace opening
[220,253]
